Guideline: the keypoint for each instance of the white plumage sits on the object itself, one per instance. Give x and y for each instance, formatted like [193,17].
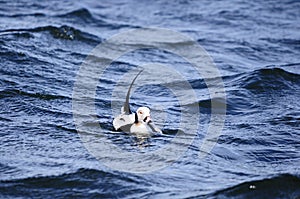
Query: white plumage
[139,123]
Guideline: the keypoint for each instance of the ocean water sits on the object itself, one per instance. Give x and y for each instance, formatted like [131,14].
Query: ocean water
[254,45]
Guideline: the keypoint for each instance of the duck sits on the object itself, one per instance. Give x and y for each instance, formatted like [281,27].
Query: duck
[138,123]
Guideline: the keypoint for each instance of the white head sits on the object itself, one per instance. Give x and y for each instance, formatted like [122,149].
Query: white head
[143,114]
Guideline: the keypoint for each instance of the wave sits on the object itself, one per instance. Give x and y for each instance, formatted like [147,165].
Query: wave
[82,13]
[36,14]
[84,183]
[270,79]
[42,96]
[286,41]
[233,105]
[242,88]
[62,32]
[89,183]
[17,100]
[83,16]
[273,78]
[283,186]
[290,119]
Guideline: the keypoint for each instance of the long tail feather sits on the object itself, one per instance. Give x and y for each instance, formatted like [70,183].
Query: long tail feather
[126,104]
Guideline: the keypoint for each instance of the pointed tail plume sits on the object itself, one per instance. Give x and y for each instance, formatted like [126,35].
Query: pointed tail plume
[126,104]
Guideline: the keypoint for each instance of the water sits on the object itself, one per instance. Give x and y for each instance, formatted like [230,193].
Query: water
[256,47]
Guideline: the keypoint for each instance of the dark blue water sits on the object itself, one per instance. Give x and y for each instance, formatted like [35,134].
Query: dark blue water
[256,47]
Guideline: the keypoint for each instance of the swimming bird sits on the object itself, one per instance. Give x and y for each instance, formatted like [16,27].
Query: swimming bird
[138,123]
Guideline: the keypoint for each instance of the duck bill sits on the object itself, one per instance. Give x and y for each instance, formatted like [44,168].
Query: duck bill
[147,119]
